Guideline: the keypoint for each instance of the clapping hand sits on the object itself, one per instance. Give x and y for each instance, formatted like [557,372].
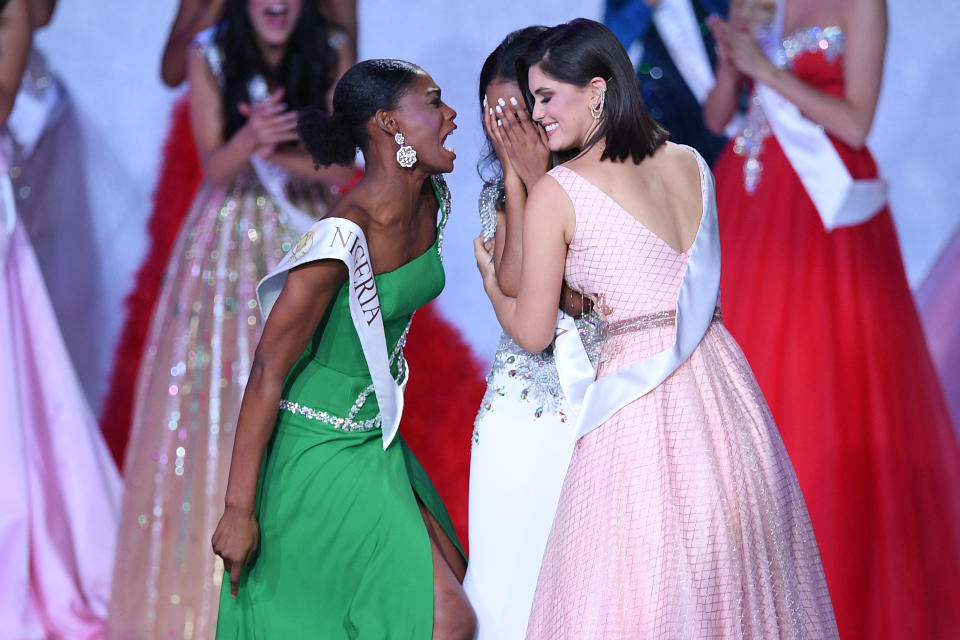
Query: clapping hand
[269,123]
[737,46]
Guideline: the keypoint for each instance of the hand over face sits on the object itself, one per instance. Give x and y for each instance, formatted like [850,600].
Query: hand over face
[520,143]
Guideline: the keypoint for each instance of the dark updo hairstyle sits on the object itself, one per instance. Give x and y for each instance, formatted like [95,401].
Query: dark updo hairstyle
[501,65]
[363,90]
[577,52]
[306,72]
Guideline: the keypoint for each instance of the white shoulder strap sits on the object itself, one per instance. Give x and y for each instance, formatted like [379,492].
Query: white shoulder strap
[8,204]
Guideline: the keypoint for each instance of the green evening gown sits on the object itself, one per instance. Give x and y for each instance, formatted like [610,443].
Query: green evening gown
[344,551]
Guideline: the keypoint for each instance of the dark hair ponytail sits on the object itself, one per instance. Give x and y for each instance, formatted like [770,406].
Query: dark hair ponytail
[577,52]
[326,137]
[363,90]
[501,65]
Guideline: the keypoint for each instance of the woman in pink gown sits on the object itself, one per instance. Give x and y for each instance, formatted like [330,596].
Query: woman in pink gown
[681,516]
[61,491]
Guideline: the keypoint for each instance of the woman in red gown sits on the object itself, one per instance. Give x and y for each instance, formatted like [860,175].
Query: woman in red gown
[827,320]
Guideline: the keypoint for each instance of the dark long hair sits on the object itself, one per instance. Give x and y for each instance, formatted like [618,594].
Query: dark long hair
[501,65]
[577,52]
[363,90]
[306,71]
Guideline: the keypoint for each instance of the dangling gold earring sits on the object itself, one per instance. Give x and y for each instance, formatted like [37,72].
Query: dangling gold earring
[596,110]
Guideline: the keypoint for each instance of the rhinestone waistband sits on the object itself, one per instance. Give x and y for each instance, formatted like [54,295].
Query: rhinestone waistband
[343,424]
[649,321]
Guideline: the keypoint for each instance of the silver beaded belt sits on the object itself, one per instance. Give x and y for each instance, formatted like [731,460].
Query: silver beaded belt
[343,424]
[649,321]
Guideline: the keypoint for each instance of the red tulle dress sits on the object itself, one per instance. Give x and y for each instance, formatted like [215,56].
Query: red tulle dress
[828,323]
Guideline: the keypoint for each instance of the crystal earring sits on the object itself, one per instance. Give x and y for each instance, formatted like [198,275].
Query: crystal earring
[406,155]
[596,110]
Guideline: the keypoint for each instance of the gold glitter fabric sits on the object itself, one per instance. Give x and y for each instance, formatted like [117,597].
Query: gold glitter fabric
[204,330]
[681,516]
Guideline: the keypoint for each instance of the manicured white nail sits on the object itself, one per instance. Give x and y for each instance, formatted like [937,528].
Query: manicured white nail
[513,101]
[499,110]
[484,100]
[501,102]
[491,110]
[499,123]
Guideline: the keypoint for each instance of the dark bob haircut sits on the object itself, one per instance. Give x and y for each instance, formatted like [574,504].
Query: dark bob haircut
[501,66]
[576,53]
[363,90]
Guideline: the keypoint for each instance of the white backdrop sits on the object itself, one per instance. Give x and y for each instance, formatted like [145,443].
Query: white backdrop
[107,54]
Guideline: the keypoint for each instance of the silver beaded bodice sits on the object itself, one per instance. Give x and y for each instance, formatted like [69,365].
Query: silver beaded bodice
[749,143]
[530,377]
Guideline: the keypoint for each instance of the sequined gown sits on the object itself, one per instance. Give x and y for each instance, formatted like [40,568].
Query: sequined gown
[828,324]
[680,516]
[198,353]
[344,552]
[522,441]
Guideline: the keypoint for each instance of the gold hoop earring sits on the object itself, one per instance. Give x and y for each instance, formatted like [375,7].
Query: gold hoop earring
[596,110]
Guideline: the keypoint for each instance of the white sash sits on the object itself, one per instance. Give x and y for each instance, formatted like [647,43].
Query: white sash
[39,103]
[341,239]
[840,200]
[274,180]
[677,25]
[8,204]
[597,400]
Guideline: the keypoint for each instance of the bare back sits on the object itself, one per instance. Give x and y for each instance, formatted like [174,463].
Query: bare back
[662,193]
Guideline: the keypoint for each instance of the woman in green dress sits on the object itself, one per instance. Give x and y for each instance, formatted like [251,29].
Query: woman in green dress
[331,528]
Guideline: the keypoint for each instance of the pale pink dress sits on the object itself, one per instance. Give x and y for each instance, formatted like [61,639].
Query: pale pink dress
[681,516]
[59,487]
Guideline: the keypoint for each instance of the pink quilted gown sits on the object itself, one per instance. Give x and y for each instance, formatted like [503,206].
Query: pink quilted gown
[681,516]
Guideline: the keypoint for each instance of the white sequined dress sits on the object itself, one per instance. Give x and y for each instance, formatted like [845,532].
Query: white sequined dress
[522,441]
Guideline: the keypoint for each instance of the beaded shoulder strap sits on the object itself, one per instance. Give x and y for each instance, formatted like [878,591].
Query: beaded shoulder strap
[491,195]
[442,191]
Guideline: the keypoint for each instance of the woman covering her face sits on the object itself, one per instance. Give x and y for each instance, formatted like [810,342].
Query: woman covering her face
[680,515]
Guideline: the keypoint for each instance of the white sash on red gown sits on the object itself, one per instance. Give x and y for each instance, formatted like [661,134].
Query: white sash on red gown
[840,200]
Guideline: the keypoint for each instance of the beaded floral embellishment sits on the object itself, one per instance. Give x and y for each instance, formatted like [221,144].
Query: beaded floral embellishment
[749,143]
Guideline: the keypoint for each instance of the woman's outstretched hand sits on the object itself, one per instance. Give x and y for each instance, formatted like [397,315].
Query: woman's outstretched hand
[236,540]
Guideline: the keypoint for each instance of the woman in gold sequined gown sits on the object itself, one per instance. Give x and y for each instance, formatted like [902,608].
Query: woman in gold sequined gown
[206,323]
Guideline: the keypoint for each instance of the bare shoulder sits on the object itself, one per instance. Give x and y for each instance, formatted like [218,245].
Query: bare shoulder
[549,203]
[865,16]
[680,158]
[548,193]
[349,209]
